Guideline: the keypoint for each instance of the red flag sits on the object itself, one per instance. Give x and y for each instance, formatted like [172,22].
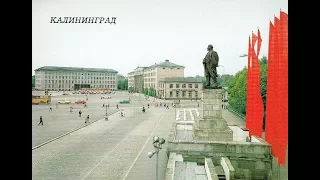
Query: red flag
[283,87]
[257,103]
[276,143]
[254,40]
[259,43]
[271,118]
[249,89]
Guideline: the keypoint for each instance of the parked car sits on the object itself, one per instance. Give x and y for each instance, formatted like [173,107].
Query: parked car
[64,102]
[80,102]
[35,103]
[124,102]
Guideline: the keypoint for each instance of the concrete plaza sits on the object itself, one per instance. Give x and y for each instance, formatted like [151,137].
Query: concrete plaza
[114,149]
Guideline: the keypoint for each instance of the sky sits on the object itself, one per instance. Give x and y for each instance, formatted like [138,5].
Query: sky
[148,32]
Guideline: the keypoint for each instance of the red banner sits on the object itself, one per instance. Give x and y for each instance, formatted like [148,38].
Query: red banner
[257,103]
[254,110]
[259,43]
[271,117]
[283,87]
[249,89]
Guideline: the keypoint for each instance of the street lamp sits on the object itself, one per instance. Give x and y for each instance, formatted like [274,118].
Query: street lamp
[157,143]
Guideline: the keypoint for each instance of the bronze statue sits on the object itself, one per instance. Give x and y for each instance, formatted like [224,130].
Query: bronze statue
[210,64]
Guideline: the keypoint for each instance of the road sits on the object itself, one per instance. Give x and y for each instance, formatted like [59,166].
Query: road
[114,149]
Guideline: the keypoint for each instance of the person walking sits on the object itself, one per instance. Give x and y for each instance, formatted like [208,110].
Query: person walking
[41,121]
[80,113]
[87,119]
[50,109]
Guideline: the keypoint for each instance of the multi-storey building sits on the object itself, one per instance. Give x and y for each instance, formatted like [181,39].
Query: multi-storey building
[180,88]
[72,78]
[151,75]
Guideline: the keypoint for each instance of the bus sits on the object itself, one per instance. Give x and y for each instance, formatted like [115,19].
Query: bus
[36,99]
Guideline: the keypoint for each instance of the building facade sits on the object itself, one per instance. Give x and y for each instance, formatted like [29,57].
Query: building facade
[73,78]
[150,76]
[180,88]
[136,80]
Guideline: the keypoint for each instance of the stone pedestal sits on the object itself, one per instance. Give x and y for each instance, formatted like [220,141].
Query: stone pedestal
[211,126]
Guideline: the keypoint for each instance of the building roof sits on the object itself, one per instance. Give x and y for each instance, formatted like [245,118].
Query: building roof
[166,63]
[56,68]
[181,79]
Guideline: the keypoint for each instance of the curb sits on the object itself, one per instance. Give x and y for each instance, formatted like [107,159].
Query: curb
[69,132]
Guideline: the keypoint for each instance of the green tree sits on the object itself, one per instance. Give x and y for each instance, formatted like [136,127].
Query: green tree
[237,91]
[123,84]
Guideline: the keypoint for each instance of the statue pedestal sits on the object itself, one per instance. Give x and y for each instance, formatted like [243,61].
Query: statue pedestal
[211,126]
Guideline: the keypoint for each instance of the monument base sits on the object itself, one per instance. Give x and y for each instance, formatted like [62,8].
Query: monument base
[223,134]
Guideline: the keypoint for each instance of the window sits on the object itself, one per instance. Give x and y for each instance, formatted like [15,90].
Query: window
[189,85]
[177,85]
[196,94]
[177,93]
[171,85]
[171,94]
[183,85]
[183,94]
[196,86]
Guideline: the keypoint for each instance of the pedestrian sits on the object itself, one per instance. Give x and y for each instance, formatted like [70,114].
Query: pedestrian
[103,105]
[108,105]
[41,121]
[123,114]
[50,109]
[85,105]
[143,109]
[198,104]
[117,106]
[167,107]
[148,105]
[87,119]
[80,113]
[71,109]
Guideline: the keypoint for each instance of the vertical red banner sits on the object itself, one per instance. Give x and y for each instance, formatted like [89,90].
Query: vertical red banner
[249,89]
[271,118]
[278,96]
[257,105]
[283,87]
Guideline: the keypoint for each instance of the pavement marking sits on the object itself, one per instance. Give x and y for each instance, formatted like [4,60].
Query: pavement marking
[144,146]
[70,132]
[111,151]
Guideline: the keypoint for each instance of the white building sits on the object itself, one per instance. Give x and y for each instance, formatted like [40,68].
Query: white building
[149,77]
[73,78]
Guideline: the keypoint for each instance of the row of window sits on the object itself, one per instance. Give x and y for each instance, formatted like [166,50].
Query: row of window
[80,73]
[77,77]
[184,94]
[71,81]
[71,86]
[183,85]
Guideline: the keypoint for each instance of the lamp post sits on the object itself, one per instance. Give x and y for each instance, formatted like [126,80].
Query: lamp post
[157,143]
[106,118]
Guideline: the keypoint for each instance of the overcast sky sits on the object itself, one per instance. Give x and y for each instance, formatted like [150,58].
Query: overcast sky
[148,32]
